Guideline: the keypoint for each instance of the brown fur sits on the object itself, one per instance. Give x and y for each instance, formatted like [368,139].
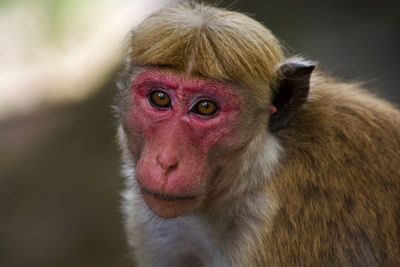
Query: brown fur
[334,199]
[209,42]
[339,182]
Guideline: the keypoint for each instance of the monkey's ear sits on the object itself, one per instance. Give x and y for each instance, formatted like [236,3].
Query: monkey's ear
[291,93]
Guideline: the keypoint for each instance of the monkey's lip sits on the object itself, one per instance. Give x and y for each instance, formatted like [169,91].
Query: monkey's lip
[165,197]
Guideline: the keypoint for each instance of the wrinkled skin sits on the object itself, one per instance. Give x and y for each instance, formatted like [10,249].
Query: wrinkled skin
[174,143]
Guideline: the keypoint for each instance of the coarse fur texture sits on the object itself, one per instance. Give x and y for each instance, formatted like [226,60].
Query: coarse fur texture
[209,45]
[322,190]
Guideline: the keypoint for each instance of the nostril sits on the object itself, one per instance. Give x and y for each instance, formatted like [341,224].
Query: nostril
[172,167]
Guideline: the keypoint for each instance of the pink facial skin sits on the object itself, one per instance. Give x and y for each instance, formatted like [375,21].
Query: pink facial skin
[174,159]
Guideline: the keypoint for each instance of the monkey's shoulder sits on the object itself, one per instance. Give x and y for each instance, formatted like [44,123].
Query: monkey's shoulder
[338,182]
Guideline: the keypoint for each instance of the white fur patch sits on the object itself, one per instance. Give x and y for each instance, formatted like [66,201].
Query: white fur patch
[169,242]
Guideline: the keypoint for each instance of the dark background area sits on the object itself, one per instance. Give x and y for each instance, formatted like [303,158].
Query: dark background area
[59,165]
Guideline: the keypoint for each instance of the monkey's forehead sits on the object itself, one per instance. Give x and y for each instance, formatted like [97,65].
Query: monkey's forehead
[208,42]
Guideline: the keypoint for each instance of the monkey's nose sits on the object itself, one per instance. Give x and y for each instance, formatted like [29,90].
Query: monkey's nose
[168,162]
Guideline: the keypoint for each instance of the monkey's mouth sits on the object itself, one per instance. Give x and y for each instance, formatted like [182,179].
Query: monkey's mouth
[161,196]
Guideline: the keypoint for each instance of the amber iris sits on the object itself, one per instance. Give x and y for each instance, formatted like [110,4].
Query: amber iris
[205,108]
[160,99]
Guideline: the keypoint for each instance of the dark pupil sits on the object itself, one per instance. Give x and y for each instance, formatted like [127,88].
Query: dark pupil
[206,105]
[161,96]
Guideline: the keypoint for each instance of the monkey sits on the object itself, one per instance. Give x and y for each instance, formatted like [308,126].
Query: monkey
[238,154]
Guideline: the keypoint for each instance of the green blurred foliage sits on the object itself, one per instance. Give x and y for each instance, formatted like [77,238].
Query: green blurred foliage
[58,12]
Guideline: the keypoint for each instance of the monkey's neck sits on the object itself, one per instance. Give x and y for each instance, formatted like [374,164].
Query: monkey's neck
[249,184]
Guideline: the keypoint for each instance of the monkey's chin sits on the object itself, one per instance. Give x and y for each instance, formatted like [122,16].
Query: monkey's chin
[169,207]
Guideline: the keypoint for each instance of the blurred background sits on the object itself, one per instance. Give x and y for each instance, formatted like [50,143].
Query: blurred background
[59,163]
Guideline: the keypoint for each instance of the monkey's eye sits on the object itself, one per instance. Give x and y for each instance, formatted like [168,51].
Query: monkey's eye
[205,108]
[159,99]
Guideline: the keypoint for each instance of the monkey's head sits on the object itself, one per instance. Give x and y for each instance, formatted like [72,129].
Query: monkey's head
[199,88]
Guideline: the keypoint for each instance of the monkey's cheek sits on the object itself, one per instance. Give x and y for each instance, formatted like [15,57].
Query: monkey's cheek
[170,208]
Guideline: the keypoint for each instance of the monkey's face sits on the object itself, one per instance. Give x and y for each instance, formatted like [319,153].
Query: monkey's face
[177,123]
